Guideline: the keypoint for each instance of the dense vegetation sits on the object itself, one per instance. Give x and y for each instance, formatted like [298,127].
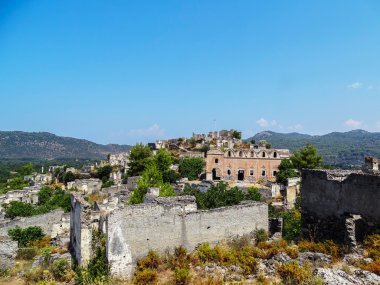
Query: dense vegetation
[25,236]
[220,195]
[153,170]
[49,199]
[338,149]
[191,168]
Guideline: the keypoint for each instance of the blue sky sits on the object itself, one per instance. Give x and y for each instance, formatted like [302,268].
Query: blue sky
[130,71]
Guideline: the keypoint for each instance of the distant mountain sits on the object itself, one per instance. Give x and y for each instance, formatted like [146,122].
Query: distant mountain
[346,149]
[26,145]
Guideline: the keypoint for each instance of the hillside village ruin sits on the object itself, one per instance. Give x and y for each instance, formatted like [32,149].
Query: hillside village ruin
[340,205]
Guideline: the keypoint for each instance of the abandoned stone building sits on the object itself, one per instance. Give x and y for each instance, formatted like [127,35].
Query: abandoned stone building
[86,186]
[161,224]
[340,205]
[250,165]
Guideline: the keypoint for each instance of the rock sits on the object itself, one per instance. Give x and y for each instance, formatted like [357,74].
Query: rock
[282,257]
[367,277]
[237,269]
[339,277]
[314,257]
[234,277]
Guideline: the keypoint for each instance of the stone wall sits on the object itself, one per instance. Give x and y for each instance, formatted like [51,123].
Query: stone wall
[8,252]
[45,221]
[332,198]
[170,222]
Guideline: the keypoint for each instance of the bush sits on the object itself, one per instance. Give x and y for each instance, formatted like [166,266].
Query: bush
[27,253]
[206,253]
[182,276]
[191,168]
[145,276]
[374,267]
[220,195]
[151,261]
[25,236]
[372,246]
[261,235]
[19,209]
[292,225]
[292,273]
[60,269]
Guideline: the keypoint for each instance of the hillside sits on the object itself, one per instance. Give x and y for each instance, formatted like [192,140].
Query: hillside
[345,149]
[25,145]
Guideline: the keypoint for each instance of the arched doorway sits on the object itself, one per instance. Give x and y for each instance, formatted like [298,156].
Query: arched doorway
[240,175]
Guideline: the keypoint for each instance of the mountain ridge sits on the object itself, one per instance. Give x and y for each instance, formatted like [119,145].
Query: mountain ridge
[45,145]
[342,149]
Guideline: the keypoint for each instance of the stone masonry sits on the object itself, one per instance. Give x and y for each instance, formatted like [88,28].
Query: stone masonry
[340,205]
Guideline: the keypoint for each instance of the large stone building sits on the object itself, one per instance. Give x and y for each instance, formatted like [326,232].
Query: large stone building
[251,165]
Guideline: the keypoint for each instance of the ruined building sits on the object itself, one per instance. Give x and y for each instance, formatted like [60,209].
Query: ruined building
[251,165]
[340,205]
[162,224]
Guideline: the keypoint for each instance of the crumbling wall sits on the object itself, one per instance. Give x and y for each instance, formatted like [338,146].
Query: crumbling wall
[133,230]
[330,198]
[8,252]
[80,229]
[45,221]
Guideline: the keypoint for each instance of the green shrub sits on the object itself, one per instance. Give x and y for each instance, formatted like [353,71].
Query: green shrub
[25,236]
[145,276]
[292,225]
[151,261]
[19,209]
[261,235]
[26,253]
[292,273]
[191,167]
[60,269]
[182,276]
[206,253]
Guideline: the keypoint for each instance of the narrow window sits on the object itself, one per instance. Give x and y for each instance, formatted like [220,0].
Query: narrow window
[275,154]
[251,172]
[229,153]
[216,160]
[228,172]
[263,173]
[240,153]
[274,173]
[263,155]
[252,154]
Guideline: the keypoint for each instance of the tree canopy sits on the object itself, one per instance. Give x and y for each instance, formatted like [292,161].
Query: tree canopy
[286,170]
[140,157]
[191,167]
[306,157]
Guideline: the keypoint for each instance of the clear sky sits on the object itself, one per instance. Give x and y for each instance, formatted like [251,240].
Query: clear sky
[128,71]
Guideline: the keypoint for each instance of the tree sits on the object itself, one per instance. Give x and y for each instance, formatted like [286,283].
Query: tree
[27,169]
[286,170]
[163,160]
[44,195]
[253,194]
[19,209]
[140,157]
[268,146]
[25,236]
[103,173]
[306,157]
[292,225]
[236,135]
[166,190]
[253,141]
[191,167]
[68,177]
